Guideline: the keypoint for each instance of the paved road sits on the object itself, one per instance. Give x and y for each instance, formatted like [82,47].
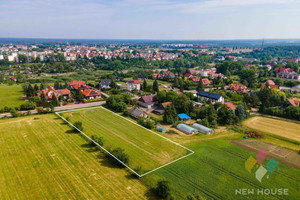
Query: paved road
[69,107]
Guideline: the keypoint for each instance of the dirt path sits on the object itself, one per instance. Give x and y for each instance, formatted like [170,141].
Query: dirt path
[282,155]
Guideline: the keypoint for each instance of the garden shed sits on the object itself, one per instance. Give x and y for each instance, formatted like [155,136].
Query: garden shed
[203,129]
[161,129]
[184,117]
[187,129]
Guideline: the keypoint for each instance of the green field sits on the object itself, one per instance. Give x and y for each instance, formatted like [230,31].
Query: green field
[39,159]
[145,149]
[10,95]
[275,126]
[218,168]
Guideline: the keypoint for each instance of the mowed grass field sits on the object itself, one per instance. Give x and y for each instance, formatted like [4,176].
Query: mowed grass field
[275,126]
[10,95]
[145,149]
[40,160]
[217,169]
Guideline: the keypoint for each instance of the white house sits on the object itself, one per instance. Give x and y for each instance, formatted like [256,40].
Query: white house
[133,84]
[208,96]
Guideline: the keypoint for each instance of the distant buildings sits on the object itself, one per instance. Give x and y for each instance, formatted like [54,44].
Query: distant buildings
[105,83]
[208,96]
[236,87]
[50,92]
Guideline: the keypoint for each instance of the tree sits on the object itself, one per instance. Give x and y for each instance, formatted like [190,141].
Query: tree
[155,86]
[145,85]
[163,188]
[170,115]
[41,86]
[79,96]
[121,155]
[54,101]
[98,140]
[14,113]
[241,112]
[28,106]
[43,99]
[78,125]
[200,85]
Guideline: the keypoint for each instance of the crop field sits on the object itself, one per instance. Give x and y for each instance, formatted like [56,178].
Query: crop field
[217,169]
[275,126]
[146,150]
[39,159]
[10,95]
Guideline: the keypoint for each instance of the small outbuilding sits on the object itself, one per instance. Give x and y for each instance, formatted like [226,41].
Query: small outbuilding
[161,129]
[184,117]
[203,129]
[187,129]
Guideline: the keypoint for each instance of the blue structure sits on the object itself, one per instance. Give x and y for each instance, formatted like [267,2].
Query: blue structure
[161,129]
[183,116]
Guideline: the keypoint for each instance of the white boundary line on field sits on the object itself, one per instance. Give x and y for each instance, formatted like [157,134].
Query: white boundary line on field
[191,152]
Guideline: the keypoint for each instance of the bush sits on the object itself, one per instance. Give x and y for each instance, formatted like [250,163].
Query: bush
[163,189]
[254,134]
[28,106]
[99,140]
[121,155]
[14,113]
[78,125]
[171,132]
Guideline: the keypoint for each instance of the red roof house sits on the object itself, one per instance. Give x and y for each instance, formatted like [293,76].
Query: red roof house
[230,105]
[205,81]
[238,87]
[91,94]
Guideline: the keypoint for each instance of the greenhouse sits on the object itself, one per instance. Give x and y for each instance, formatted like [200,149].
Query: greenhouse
[187,129]
[161,129]
[203,129]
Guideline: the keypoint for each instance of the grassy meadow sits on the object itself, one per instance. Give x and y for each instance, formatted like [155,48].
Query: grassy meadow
[277,127]
[145,149]
[10,95]
[217,169]
[39,159]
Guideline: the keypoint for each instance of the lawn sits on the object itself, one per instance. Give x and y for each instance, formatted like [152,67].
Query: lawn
[145,149]
[10,95]
[275,126]
[217,169]
[39,159]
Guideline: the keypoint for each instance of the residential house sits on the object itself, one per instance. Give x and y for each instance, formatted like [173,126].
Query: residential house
[75,85]
[188,75]
[271,84]
[205,81]
[50,92]
[294,102]
[133,84]
[236,87]
[230,106]
[148,101]
[105,83]
[91,94]
[289,75]
[137,113]
[160,109]
[208,96]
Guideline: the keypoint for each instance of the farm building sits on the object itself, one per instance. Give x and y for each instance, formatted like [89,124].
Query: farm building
[203,129]
[184,117]
[187,129]
[161,108]
[161,129]
[137,113]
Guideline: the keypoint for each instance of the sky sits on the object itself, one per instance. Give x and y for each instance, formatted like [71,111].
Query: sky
[150,19]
